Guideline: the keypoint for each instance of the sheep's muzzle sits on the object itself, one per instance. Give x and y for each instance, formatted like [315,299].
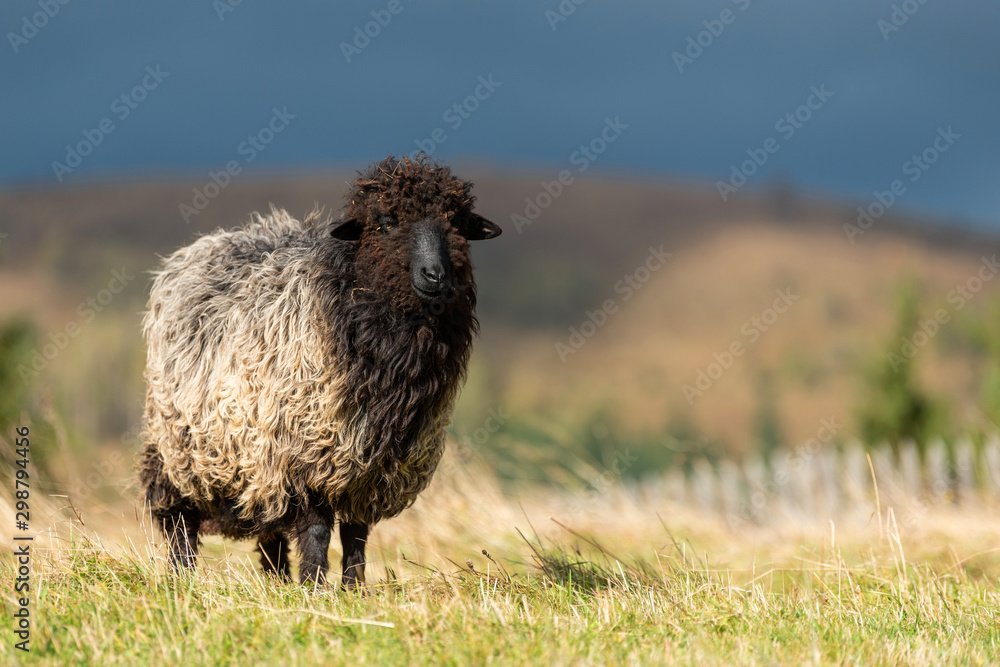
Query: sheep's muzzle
[430,268]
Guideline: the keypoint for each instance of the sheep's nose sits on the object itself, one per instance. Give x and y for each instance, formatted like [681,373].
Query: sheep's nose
[433,274]
[430,273]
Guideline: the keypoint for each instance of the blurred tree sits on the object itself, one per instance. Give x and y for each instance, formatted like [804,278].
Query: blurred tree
[990,390]
[893,408]
[767,429]
[781,196]
[17,339]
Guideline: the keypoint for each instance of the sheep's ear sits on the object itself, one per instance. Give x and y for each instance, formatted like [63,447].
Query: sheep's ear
[348,230]
[481,229]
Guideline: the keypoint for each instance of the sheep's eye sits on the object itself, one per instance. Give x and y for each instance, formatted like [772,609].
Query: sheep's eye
[387,225]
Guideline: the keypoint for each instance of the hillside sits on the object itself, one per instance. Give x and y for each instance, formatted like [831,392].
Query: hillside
[728,262]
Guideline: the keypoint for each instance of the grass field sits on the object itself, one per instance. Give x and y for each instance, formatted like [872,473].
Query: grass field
[470,576]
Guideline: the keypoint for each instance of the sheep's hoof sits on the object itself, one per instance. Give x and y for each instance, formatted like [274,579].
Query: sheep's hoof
[314,579]
[354,579]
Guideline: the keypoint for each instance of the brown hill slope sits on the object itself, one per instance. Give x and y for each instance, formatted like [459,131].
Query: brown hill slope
[728,260]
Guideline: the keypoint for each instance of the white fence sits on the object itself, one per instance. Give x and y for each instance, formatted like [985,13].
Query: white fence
[829,484]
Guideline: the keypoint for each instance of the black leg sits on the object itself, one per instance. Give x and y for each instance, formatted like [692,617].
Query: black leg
[353,538]
[314,541]
[274,556]
[179,520]
[181,532]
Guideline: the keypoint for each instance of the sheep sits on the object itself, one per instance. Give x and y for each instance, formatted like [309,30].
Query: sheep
[303,372]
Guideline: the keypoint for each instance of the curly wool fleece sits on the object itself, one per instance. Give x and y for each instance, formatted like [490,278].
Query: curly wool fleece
[275,371]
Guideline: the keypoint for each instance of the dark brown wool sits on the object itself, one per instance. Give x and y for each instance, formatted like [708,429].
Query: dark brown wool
[295,378]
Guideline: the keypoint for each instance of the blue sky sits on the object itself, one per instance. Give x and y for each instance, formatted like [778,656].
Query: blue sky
[554,85]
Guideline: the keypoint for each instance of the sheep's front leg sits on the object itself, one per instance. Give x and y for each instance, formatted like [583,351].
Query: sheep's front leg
[274,555]
[353,538]
[181,531]
[314,541]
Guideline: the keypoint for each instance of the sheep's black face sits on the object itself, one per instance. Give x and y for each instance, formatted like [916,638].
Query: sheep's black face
[430,265]
[412,221]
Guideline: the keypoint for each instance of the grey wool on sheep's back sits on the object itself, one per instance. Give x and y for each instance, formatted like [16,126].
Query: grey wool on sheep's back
[303,372]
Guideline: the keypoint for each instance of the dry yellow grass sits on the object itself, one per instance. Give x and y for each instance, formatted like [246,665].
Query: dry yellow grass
[471,575]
